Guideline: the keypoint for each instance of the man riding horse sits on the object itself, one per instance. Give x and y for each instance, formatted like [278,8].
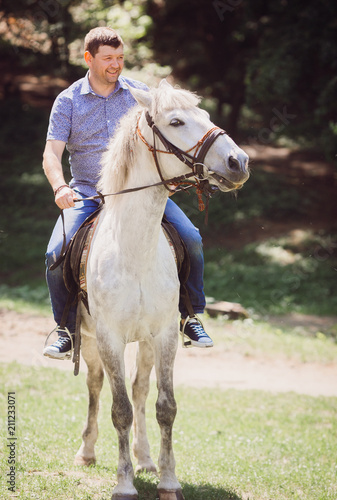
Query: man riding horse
[83,119]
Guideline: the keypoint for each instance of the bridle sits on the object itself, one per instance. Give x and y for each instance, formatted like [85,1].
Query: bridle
[194,161]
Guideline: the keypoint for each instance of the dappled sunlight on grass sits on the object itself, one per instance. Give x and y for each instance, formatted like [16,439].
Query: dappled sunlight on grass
[275,253]
[273,278]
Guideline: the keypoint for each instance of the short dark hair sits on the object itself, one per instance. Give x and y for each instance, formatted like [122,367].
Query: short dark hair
[101,36]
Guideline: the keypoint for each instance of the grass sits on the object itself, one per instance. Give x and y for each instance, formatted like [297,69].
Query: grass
[266,339]
[248,445]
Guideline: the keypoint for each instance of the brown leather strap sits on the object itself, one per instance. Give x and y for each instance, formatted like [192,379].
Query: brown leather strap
[184,295]
[70,301]
[77,339]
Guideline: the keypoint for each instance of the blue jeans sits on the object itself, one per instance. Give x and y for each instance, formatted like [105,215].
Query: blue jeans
[74,217]
[193,242]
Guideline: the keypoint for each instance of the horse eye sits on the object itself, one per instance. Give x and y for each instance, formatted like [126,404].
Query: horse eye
[176,123]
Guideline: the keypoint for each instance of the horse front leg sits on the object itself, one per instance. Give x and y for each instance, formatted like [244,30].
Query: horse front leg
[122,416]
[95,376]
[166,408]
[140,381]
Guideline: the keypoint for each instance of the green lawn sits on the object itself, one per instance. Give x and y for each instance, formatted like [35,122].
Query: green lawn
[230,444]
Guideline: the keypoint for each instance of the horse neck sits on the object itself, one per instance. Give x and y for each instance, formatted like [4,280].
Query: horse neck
[134,219]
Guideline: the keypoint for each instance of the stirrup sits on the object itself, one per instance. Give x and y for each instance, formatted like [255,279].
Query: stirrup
[65,330]
[188,343]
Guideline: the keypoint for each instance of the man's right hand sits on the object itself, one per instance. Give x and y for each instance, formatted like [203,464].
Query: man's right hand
[65,197]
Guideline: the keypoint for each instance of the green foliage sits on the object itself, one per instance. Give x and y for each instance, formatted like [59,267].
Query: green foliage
[48,36]
[264,195]
[27,210]
[251,443]
[277,275]
[250,57]
[31,298]
[265,55]
[37,30]
[295,67]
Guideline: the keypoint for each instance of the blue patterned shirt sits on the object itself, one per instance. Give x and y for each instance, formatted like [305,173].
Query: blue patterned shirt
[86,121]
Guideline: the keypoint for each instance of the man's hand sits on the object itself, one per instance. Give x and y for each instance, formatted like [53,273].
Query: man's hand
[64,197]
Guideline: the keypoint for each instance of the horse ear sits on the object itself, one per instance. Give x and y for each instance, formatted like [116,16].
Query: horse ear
[164,83]
[143,97]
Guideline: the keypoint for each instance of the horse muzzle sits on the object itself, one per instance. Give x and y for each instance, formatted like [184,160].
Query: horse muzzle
[234,175]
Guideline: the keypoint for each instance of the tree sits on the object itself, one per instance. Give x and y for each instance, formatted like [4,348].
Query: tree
[295,68]
[47,35]
[275,59]
[206,48]
[34,29]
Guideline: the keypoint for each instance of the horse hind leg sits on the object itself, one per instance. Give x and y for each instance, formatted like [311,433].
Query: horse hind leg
[140,382]
[95,376]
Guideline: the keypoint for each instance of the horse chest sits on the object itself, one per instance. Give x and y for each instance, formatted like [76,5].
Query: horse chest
[134,290]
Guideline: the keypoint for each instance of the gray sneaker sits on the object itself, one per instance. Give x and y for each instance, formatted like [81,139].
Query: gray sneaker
[62,348]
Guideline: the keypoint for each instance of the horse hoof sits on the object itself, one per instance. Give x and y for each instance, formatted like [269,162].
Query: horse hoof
[79,460]
[170,495]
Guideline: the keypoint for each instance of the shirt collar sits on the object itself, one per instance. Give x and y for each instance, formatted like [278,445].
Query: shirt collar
[122,83]
[86,87]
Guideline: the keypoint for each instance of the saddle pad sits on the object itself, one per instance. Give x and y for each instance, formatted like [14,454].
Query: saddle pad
[73,254]
[84,257]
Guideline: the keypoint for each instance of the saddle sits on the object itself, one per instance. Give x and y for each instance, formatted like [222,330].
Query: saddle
[75,263]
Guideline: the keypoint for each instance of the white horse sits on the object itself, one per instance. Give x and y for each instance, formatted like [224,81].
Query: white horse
[132,280]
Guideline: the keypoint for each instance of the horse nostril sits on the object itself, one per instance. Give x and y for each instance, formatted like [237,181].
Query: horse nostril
[234,164]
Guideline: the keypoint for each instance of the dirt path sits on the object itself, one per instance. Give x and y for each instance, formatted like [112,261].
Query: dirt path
[22,338]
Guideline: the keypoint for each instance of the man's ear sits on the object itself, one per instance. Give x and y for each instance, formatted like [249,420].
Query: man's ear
[143,97]
[87,57]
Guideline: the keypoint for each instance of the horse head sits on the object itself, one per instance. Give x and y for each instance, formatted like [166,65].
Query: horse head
[186,131]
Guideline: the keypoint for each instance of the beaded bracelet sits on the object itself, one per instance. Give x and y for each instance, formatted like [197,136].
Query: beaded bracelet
[59,188]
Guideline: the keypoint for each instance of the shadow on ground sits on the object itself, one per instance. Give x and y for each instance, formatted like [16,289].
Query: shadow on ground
[147,491]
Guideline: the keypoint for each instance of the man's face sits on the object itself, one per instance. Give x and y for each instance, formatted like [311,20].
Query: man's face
[107,64]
